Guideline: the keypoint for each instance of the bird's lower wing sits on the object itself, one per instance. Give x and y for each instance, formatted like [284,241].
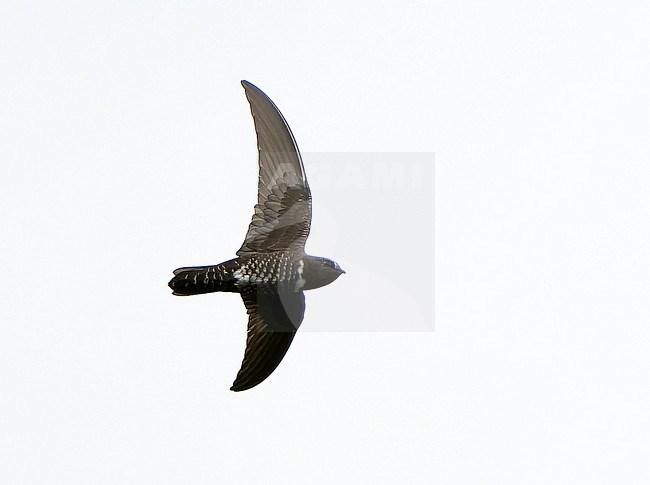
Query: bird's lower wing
[273,319]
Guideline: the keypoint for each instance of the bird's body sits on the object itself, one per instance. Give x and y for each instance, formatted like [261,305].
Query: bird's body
[281,272]
[271,270]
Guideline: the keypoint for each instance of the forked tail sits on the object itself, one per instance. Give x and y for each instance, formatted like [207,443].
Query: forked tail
[204,279]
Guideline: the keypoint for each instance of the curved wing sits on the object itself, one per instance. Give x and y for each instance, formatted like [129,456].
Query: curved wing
[282,215]
[273,320]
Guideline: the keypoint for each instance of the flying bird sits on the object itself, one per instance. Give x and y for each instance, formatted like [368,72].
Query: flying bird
[271,271]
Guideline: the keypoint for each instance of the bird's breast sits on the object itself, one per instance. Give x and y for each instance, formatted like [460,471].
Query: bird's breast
[271,270]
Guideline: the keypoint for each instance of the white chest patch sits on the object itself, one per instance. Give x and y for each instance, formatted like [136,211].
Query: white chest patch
[240,277]
[300,282]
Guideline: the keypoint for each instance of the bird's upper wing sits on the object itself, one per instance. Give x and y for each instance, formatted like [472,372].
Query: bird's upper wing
[273,319]
[283,211]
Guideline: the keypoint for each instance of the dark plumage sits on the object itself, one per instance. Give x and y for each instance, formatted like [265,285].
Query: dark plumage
[271,270]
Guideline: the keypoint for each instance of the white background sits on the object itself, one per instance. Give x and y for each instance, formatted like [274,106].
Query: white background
[127,149]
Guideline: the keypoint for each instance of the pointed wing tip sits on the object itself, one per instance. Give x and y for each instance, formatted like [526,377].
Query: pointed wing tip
[251,91]
[248,85]
[238,387]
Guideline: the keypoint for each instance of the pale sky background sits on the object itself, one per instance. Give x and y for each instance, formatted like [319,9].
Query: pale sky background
[127,149]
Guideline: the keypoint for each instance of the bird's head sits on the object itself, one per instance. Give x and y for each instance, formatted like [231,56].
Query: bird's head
[320,272]
[332,266]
